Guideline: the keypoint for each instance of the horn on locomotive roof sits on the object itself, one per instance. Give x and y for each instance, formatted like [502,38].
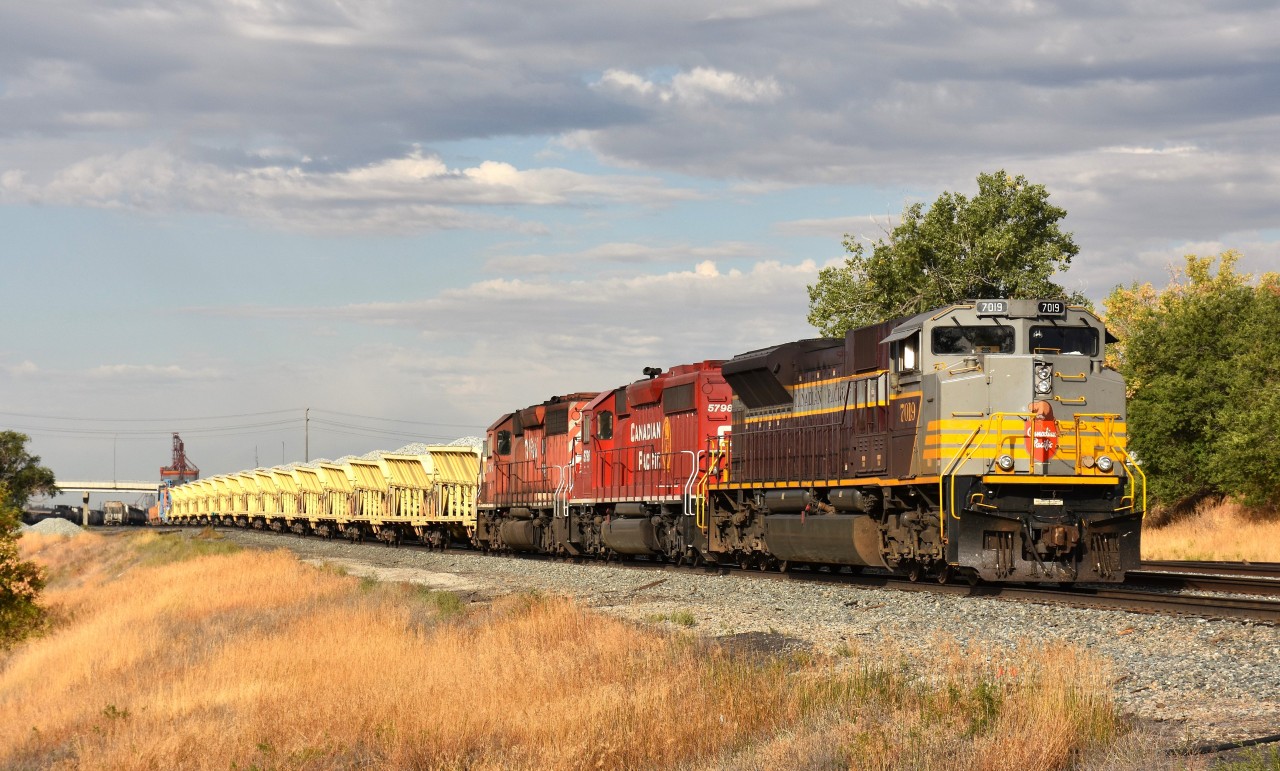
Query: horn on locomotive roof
[652,372]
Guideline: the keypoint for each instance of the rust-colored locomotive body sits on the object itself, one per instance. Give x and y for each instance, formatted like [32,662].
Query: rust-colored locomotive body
[527,473]
[646,447]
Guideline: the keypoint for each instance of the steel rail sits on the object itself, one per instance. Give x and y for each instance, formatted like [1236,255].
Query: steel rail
[1203,582]
[1257,569]
[1117,598]
[1091,596]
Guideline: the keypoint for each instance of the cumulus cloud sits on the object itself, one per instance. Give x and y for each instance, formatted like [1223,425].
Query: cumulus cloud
[695,87]
[413,193]
[619,254]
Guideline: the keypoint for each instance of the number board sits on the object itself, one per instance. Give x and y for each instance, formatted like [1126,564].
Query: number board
[1051,308]
[993,307]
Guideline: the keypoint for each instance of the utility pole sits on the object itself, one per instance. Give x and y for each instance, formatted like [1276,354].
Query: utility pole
[306,432]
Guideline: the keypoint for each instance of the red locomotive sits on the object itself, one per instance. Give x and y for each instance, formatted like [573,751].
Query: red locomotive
[526,473]
[620,472]
[646,448]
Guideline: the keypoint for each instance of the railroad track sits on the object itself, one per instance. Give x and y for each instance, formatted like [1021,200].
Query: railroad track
[1255,569]
[1260,578]
[1137,597]
[1113,597]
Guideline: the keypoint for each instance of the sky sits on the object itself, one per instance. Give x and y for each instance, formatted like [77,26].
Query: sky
[409,217]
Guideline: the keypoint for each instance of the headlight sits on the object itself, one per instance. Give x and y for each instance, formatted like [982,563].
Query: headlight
[1005,463]
[1044,378]
[1105,464]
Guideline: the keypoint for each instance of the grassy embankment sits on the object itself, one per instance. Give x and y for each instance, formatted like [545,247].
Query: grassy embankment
[172,653]
[1216,530]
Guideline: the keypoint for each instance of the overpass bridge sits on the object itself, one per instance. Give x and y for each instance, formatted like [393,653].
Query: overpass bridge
[81,486]
[78,486]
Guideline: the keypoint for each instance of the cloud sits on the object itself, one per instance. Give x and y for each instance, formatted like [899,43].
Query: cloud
[619,254]
[868,227]
[26,368]
[586,332]
[413,193]
[152,372]
[695,87]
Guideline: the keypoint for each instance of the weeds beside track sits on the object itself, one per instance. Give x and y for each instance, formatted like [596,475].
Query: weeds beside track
[218,660]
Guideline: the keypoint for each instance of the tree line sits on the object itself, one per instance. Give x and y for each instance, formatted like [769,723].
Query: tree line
[1201,356]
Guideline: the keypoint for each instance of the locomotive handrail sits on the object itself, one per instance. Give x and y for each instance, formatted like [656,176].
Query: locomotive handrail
[1130,463]
[555,494]
[967,450]
[694,457]
[964,454]
[942,480]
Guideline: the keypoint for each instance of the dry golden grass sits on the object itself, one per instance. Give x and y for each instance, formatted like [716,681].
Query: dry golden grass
[1215,530]
[253,660]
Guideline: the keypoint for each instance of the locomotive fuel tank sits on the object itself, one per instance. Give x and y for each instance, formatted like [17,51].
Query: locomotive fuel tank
[630,536]
[519,534]
[835,539]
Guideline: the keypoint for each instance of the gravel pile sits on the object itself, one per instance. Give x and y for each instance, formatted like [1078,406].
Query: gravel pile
[413,448]
[1202,680]
[56,526]
[474,442]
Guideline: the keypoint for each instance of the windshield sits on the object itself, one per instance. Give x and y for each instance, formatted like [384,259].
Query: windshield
[966,340]
[1079,341]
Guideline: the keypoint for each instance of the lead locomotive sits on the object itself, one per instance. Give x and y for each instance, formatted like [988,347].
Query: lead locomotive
[985,439]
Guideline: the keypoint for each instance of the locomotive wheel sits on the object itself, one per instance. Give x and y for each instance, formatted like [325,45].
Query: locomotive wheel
[944,575]
[915,572]
[783,566]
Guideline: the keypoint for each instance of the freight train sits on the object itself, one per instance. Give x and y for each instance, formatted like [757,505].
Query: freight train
[985,440]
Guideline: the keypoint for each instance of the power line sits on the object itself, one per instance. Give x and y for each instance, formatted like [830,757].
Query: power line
[396,420]
[334,426]
[148,420]
[142,432]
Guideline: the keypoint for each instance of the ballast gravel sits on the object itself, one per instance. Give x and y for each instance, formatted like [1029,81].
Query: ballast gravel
[55,526]
[1195,680]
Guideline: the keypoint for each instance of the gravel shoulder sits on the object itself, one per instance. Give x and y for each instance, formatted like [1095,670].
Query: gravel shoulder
[1189,680]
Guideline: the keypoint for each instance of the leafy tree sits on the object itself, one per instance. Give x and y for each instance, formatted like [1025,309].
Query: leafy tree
[21,476]
[20,581]
[1003,242]
[1202,361]
[21,472]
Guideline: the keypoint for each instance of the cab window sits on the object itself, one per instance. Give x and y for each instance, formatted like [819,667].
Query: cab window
[907,359]
[604,428]
[952,340]
[1078,341]
[504,443]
